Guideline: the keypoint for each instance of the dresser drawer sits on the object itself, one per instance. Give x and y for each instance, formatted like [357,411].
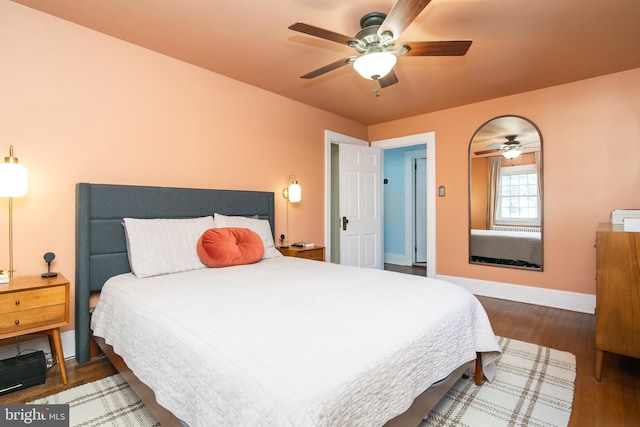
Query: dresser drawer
[28,319]
[33,298]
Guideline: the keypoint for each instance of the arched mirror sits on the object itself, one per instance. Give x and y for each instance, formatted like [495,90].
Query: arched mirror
[505,194]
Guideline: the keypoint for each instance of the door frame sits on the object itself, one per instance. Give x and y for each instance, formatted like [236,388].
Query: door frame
[428,138]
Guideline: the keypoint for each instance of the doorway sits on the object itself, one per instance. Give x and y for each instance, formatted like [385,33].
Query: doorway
[411,143]
[405,205]
[331,187]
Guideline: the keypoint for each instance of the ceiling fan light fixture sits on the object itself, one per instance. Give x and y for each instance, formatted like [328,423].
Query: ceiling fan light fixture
[375,65]
[512,153]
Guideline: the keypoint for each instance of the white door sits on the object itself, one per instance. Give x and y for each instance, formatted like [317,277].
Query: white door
[420,197]
[360,206]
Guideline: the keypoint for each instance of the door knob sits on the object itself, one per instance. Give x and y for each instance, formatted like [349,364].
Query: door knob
[345,221]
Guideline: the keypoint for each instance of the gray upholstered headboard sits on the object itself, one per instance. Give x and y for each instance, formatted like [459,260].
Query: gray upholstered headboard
[101,250]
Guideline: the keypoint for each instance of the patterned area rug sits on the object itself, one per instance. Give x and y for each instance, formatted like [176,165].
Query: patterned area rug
[533,387]
[106,402]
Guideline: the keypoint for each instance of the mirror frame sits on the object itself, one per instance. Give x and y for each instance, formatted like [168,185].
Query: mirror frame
[541,191]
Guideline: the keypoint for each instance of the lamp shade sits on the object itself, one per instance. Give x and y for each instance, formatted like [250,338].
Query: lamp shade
[375,65]
[512,153]
[295,192]
[14,178]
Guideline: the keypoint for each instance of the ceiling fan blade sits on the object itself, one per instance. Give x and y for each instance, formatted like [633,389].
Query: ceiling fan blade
[327,68]
[390,79]
[480,153]
[438,48]
[401,16]
[322,33]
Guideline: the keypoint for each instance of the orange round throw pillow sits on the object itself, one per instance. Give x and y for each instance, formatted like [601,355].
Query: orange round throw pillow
[222,247]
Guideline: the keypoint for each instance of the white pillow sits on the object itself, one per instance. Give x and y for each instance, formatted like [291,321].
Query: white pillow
[259,226]
[163,246]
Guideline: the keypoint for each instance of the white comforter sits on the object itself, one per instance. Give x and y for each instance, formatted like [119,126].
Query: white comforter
[290,342]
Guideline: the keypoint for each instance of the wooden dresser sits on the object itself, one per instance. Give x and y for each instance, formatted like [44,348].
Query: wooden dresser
[34,304]
[617,293]
[315,253]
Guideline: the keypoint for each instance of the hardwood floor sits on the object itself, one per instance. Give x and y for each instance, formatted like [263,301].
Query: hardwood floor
[613,402]
[418,270]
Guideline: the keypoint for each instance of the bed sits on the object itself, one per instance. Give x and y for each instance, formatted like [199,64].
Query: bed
[283,341]
[518,248]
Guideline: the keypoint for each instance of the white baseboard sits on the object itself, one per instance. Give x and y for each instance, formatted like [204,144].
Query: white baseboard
[40,342]
[68,344]
[574,301]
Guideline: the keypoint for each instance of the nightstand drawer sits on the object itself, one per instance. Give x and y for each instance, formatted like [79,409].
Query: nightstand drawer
[30,299]
[316,254]
[27,319]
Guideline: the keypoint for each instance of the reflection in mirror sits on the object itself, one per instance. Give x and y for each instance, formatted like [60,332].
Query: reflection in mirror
[505,194]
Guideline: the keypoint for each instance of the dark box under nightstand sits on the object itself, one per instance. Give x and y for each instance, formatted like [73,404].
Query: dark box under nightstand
[22,371]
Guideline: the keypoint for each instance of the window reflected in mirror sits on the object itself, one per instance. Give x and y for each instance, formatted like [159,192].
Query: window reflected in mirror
[505,194]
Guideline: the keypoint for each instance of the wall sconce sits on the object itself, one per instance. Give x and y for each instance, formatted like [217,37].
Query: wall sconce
[293,194]
[13,183]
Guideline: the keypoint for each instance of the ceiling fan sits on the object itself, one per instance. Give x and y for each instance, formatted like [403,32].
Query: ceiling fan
[375,43]
[510,149]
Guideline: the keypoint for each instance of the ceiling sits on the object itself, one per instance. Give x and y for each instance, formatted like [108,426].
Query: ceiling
[517,46]
[494,135]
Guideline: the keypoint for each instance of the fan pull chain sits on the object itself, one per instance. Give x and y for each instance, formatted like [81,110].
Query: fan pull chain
[376,91]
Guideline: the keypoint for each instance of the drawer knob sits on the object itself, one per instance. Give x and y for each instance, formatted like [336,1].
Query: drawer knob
[17,302]
[17,322]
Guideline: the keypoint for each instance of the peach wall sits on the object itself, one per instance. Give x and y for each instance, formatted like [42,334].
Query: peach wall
[79,106]
[591,133]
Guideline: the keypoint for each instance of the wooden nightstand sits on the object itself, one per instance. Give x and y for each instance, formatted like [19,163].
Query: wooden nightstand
[315,253]
[32,304]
